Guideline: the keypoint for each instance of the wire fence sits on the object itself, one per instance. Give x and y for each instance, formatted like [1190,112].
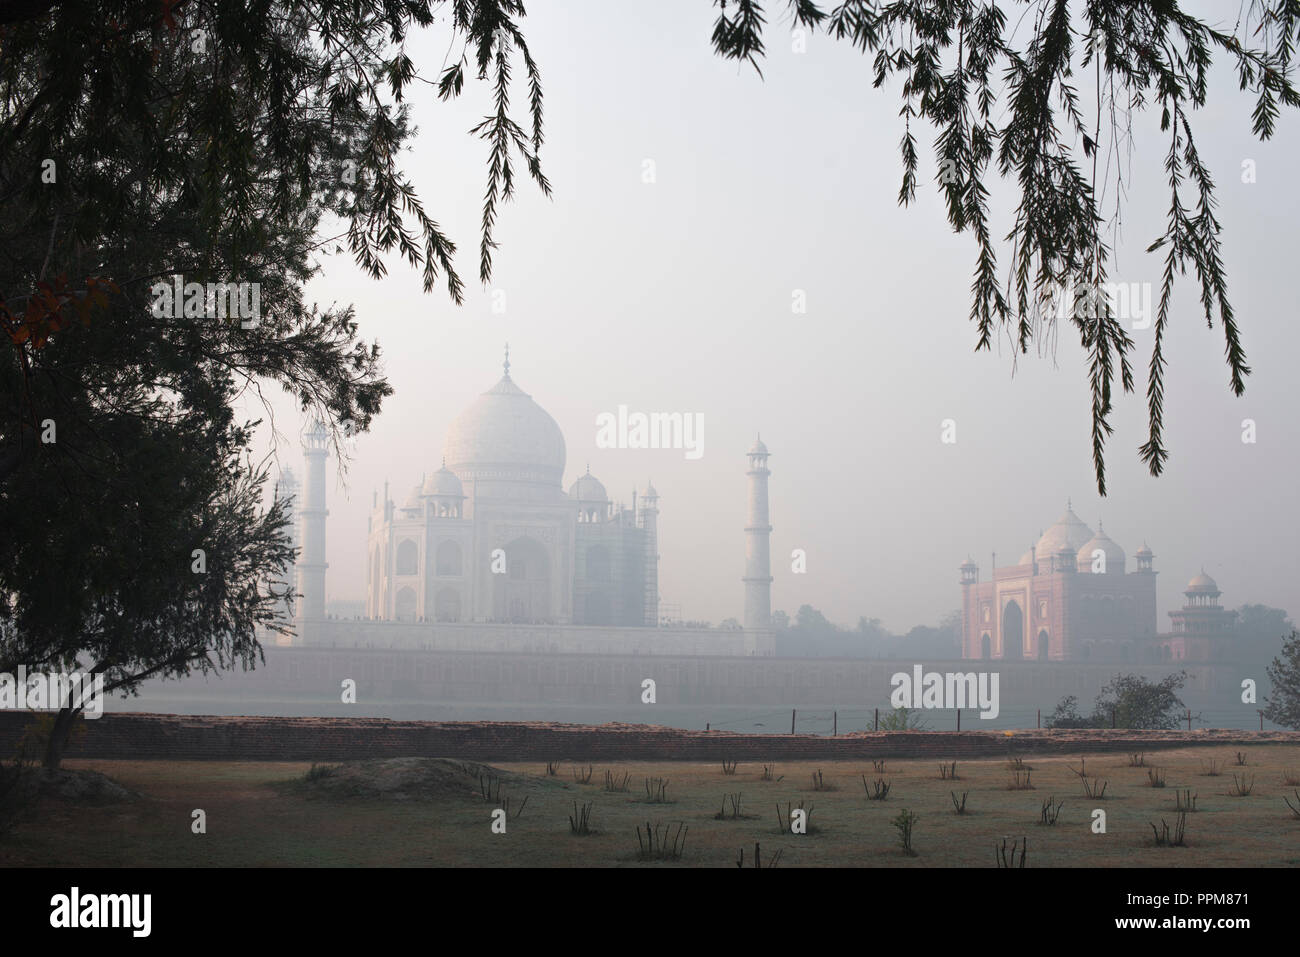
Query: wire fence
[844,720]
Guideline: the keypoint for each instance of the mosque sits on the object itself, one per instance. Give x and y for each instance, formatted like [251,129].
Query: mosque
[491,541]
[1072,598]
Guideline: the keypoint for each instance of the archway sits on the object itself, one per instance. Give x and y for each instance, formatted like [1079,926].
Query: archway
[408,558]
[1042,644]
[986,646]
[523,593]
[1013,631]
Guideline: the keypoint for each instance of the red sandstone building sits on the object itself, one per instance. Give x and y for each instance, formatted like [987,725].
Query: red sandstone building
[1202,628]
[1071,598]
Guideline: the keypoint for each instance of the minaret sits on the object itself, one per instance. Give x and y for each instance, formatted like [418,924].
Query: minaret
[650,522]
[970,576]
[311,562]
[287,490]
[758,563]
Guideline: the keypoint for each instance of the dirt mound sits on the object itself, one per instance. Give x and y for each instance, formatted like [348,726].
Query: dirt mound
[74,786]
[415,779]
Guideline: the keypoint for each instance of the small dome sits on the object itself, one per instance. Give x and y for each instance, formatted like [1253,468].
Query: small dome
[1101,542]
[413,500]
[968,563]
[587,488]
[1203,584]
[649,492]
[444,482]
[1145,552]
[758,447]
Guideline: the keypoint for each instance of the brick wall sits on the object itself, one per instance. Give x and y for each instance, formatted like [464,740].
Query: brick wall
[189,737]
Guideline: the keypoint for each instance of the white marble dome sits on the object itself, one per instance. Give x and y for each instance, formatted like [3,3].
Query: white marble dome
[587,488]
[505,435]
[443,482]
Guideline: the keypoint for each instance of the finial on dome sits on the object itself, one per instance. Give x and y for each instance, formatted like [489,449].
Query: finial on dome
[507,362]
[1069,504]
[588,468]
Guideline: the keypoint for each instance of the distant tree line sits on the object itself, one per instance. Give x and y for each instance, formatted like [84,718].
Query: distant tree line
[811,635]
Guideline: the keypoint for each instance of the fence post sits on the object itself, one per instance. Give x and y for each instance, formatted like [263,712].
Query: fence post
[1112,719]
[877,719]
[1189,719]
[959,719]
[1261,721]
[835,724]
[1040,718]
[792,713]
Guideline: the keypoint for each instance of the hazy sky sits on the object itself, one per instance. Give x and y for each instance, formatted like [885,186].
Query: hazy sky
[676,296]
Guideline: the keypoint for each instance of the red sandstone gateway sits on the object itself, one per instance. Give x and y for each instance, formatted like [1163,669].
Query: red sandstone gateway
[1069,598]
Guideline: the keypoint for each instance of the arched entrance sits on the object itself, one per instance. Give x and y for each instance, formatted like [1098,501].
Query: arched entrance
[986,647]
[408,558]
[523,593]
[1013,631]
[1042,644]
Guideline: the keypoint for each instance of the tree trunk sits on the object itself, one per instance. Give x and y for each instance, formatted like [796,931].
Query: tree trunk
[58,739]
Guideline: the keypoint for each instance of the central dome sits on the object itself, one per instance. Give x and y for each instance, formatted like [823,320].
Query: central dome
[1068,532]
[504,434]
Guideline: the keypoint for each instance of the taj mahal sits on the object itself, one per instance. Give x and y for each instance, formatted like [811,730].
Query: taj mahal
[492,536]
[490,552]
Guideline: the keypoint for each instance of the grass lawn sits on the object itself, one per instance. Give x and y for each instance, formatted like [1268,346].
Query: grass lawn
[261,814]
